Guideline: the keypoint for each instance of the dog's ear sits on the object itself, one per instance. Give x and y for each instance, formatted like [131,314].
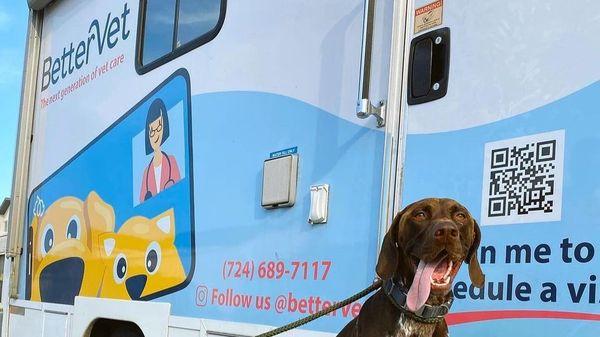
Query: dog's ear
[387,262]
[107,241]
[99,218]
[165,222]
[475,272]
[99,214]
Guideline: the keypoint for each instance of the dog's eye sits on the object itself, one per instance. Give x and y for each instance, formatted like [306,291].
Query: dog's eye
[420,215]
[73,228]
[153,257]
[460,215]
[120,268]
[47,239]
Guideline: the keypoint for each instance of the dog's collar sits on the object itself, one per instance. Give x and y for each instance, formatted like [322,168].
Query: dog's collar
[429,314]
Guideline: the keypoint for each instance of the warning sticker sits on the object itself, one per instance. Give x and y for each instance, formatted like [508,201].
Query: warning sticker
[429,16]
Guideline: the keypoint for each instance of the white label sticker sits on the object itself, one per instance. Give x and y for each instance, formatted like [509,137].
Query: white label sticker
[429,16]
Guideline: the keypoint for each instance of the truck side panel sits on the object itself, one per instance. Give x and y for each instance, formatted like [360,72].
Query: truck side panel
[147,184]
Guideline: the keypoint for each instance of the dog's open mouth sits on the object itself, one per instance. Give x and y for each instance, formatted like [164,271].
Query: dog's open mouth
[443,274]
[436,276]
[61,280]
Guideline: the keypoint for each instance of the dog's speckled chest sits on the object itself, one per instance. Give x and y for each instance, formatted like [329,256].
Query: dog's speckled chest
[407,327]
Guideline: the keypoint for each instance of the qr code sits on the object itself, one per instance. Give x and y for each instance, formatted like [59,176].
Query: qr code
[522,179]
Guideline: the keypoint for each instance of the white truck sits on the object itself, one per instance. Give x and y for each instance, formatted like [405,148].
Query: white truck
[219,168]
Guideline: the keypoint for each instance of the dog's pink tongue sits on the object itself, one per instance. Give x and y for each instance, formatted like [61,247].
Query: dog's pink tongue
[421,286]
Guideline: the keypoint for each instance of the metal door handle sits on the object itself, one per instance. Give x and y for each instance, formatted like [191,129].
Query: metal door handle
[364,106]
[429,66]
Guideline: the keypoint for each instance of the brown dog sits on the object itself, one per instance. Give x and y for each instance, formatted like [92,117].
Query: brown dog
[420,256]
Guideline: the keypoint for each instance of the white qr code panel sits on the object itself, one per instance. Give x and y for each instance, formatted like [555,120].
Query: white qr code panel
[522,179]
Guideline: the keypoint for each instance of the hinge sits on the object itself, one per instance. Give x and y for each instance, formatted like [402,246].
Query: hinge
[365,108]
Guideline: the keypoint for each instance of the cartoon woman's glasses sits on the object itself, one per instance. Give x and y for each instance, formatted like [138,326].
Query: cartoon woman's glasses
[158,129]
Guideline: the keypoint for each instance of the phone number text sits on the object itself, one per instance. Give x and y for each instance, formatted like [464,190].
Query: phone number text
[276,270]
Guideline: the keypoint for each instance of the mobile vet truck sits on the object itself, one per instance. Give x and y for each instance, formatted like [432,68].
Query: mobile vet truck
[219,168]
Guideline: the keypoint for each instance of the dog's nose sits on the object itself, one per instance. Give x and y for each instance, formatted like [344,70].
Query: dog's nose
[445,230]
[135,286]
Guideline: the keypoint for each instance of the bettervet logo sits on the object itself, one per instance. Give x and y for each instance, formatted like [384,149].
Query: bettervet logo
[101,34]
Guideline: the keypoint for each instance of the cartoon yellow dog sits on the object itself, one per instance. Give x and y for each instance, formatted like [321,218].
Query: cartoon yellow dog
[65,257]
[141,258]
[75,252]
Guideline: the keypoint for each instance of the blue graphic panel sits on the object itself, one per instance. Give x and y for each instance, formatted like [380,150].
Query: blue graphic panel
[249,264]
[126,203]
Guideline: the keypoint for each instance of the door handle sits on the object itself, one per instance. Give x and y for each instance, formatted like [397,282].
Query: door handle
[364,106]
[429,66]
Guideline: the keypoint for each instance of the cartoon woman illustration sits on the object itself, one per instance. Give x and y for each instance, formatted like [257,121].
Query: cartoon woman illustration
[162,172]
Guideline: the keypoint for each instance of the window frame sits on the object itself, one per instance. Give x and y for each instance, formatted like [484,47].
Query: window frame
[141,68]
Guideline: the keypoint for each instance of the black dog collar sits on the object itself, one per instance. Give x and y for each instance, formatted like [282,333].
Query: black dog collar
[429,314]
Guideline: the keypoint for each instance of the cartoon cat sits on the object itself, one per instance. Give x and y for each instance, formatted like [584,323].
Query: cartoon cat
[141,258]
[66,247]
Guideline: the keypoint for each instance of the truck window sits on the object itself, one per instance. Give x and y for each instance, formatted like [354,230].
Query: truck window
[170,28]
